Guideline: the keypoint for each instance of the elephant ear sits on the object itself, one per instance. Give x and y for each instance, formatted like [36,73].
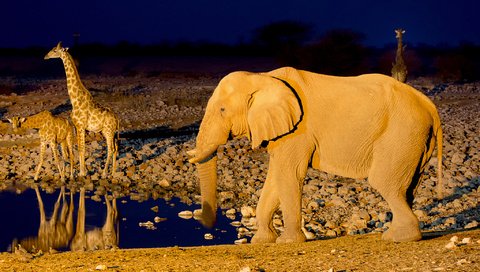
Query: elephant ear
[274,110]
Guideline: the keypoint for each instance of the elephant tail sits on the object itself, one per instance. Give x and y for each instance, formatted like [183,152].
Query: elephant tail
[439,140]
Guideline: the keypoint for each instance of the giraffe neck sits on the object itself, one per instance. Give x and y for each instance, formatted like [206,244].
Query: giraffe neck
[76,90]
[399,56]
[37,121]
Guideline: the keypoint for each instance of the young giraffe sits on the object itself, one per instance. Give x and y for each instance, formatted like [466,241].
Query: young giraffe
[86,113]
[53,131]
[399,69]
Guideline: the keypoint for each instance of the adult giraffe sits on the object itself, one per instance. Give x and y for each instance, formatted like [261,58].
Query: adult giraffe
[86,113]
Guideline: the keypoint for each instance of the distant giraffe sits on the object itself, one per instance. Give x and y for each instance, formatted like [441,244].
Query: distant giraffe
[399,69]
[86,113]
[53,131]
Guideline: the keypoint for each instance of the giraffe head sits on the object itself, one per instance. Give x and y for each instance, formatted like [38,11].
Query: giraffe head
[56,52]
[399,32]
[16,122]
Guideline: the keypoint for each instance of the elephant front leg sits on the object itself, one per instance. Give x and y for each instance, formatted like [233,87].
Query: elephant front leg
[267,205]
[290,204]
[289,174]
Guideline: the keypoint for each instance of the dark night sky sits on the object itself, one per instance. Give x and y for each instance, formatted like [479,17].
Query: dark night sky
[33,22]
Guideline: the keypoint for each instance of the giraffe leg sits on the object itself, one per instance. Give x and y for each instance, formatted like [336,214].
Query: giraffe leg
[69,145]
[40,162]
[110,152]
[114,156]
[60,168]
[81,150]
[65,155]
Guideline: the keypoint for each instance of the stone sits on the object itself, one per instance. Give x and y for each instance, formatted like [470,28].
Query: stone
[420,214]
[158,219]
[471,225]
[208,236]
[185,214]
[338,201]
[164,183]
[241,241]
[101,267]
[247,211]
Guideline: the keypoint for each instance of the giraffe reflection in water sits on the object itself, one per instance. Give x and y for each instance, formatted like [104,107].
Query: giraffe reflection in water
[57,233]
[98,238]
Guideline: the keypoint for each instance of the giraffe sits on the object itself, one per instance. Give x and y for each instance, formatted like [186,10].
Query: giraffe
[86,113]
[399,69]
[53,130]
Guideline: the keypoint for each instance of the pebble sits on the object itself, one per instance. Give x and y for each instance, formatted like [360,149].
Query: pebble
[158,219]
[185,214]
[241,241]
[247,211]
[101,267]
[208,236]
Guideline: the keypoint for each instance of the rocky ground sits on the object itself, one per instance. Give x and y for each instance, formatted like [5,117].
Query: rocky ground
[159,117]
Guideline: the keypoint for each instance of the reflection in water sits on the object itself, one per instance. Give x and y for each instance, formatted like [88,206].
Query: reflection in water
[98,238]
[57,232]
[67,216]
[54,233]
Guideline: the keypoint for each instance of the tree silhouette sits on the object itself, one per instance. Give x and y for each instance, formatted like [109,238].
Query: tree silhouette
[337,52]
[283,39]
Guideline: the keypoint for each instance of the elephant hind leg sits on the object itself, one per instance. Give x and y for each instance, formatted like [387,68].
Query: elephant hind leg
[397,189]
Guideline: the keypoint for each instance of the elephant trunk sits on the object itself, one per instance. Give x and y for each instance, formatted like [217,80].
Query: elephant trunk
[207,172]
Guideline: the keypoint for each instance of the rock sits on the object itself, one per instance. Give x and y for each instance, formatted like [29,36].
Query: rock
[330,225]
[338,201]
[451,245]
[420,214]
[466,241]
[154,209]
[164,183]
[245,269]
[309,235]
[101,267]
[208,236]
[226,196]
[236,223]
[197,214]
[185,214]
[458,158]
[331,233]
[231,214]
[159,219]
[241,241]
[148,225]
[471,225]
[247,211]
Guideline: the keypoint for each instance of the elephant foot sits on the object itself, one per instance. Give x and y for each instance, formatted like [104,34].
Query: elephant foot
[409,234]
[292,237]
[264,237]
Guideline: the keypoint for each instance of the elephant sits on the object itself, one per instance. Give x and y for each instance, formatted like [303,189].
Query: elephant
[368,126]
